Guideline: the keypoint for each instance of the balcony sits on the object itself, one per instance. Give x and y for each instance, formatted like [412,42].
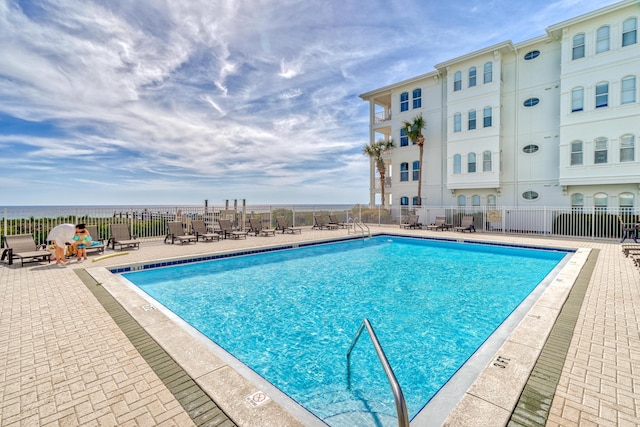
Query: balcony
[387,183]
[382,116]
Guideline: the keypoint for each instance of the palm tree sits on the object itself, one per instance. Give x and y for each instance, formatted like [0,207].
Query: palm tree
[414,132]
[375,150]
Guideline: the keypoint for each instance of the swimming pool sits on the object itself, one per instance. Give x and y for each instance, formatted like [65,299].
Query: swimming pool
[294,328]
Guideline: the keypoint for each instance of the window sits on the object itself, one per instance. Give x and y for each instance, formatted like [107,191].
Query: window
[530,195]
[491,201]
[577,202]
[602,95]
[626,202]
[486,117]
[488,72]
[471,162]
[414,201]
[404,138]
[628,89]
[600,201]
[472,76]
[457,164]
[404,101]
[462,200]
[416,170]
[577,99]
[627,148]
[600,151]
[475,200]
[471,122]
[404,171]
[602,39]
[530,149]
[457,122]
[486,161]
[576,153]
[578,47]
[404,201]
[629,32]
[531,55]
[417,98]
[457,81]
[531,102]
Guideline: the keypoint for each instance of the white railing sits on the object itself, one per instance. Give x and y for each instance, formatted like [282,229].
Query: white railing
[378,183]
[382,116]
[151,222]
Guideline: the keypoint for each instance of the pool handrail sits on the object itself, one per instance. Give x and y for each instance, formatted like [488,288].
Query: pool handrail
[398,396]
[356,222]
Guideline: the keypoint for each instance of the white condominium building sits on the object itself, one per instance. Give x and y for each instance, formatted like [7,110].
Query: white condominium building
[551,121]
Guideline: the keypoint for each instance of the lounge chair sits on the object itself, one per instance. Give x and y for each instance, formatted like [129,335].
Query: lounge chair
[466,224]
[629,230]
[281,224]
[630,248]
[200,230]
[320,223]
[255,225]
[333,220]
[121,236]
[227,230]
[412,222]
[176,232]
[439,224]
[24,248]
[96,243]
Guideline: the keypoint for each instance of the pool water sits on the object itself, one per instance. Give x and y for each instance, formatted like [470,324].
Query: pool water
[291,315]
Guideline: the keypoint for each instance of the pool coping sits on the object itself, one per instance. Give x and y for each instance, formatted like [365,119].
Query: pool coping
[210,374]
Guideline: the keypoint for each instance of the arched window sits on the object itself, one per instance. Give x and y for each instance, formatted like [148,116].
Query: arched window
[576,153]
[471,162]
[471,123]
[404,171]
[629,32]
[414,201]
[488,72]
[577,202]
[475,200]
[457,164]
[457,81]
[626,202]
[577,51]
[628,148]
[600,202]
[602,94]
[600,151]
[472,76]
[404,201]
[487,118]
[602,39]
[404,138]
[577,99]
[628,90]
[404,101]
[531,55]
[416,170]
[486,161]
[462,200]
[457,122]
[417,98]
[491,201]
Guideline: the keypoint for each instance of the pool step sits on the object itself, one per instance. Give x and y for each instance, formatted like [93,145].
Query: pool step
[338,408]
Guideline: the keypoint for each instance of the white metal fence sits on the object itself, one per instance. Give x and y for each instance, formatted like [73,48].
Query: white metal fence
[151,222]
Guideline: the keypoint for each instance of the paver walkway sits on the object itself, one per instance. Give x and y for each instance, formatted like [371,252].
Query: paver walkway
[64,361]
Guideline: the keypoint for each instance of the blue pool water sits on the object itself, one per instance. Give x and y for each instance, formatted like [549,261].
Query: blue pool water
[291,315]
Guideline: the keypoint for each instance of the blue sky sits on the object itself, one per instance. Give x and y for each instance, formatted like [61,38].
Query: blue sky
[175,102]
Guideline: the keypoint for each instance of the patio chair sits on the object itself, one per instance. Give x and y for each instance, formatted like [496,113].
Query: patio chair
[466,224]
[176,232]
[320,223]
[439,224]
[630,248]
[201,232]
[281,224]
[227,230]
[121,236]
[333,220]
[412,222]
[24,248]
[97,245]
[629,230]
[255,225]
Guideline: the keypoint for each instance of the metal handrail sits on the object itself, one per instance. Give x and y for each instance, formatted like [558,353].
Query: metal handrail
[356,222]
[398,396]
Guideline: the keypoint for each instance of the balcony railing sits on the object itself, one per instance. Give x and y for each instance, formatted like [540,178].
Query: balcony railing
[382,116]
[387,183]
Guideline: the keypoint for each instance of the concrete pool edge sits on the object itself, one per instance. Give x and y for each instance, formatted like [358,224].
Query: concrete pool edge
[219,373]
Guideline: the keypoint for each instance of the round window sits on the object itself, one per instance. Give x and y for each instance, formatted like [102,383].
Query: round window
[531,102]
[531,148]
[531,55]
[530,195]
